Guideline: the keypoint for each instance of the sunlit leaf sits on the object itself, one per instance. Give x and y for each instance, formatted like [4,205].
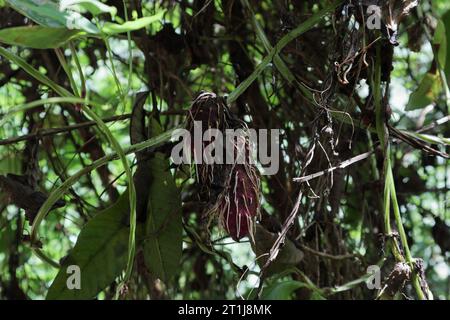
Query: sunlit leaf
[429,138]
[426,93]
[114,28]
[50,14]
[93,6]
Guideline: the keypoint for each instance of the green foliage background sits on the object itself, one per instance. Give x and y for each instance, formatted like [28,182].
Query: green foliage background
[173,50]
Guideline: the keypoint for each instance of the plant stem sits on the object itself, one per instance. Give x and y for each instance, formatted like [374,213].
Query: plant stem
[389,187]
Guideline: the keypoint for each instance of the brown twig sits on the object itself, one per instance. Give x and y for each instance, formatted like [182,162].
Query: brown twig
[326,255]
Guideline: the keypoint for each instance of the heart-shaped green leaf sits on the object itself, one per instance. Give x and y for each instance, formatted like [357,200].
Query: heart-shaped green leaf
[426,93]
[163,231]
[100,253]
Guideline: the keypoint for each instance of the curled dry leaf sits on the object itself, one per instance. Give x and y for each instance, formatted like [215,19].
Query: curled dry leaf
[208,111]
[393,12]
[395,281]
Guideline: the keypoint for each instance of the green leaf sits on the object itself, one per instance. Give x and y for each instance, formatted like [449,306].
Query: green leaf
[10,162]
[50,14]
[282,290]
[440,42]
[7,236]
[114,28]
[428,138]
[93,6]
[163,230]
[350,285]
[426,93]
[37,37]
[100,253]
[315,295]
[446,21]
